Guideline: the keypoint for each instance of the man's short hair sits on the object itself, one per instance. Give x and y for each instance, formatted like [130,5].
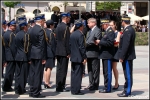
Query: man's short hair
[93,20]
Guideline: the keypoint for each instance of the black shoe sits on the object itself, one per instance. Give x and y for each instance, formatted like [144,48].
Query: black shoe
[8,90]
[104,91]
[115,88]
[62,90]
[46,86]
[79,93]
[38,96]
[92,88]
[123,94]
[30,95]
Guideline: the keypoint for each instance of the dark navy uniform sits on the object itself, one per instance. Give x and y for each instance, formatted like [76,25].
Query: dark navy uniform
[51,46]
[62,51]
[20,18]
[78,55]
[37,54]
[22,44]
[29,50]
[3,48]
[106,54]
[10,52]
[126,52]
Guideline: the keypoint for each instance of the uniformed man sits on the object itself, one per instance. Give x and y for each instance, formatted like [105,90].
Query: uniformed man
[126,55]
[62,52]
[4,26]
[78,57]
[32,24]
[106,54]
[22,44]
[10,52]
[37,56]
[20,18]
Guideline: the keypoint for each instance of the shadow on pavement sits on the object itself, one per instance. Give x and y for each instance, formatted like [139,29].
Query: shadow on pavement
[10,96]
[50,93]
[137,92]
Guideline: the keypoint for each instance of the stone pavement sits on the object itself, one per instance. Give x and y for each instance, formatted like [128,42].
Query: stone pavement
[140,89]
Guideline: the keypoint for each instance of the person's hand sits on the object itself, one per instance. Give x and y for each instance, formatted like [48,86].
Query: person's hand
[5,64]
[68,56]
[84,62]
[121,60]
[29,62]
[97,42]
[43,62]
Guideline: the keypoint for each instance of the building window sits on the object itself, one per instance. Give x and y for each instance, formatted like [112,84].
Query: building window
[20,10]
[36,11]
[3,13]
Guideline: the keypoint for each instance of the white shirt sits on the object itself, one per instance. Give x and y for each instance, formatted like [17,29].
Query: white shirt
[93,28]
[126,27]
[107,28]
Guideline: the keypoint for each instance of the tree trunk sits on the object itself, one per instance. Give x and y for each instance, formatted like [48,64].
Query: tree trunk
[9,13]
[64,8]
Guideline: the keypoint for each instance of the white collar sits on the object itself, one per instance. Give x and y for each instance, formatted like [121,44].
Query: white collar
[126,27]
[93,28]
[107,28]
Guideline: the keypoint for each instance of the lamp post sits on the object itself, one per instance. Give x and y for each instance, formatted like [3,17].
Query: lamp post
[80,11]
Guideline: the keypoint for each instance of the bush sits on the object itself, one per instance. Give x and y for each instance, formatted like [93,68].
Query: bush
[141,38]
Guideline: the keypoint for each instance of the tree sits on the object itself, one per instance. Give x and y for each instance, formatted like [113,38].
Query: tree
[10,4]
[108,5]
[65,5]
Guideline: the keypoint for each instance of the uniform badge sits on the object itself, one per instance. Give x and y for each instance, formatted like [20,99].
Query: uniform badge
[126,29]
[110,30]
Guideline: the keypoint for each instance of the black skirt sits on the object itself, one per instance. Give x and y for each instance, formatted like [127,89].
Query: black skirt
[115,60]
[50,63]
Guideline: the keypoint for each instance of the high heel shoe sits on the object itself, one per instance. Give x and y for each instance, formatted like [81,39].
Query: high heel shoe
[46,86]
[115,88]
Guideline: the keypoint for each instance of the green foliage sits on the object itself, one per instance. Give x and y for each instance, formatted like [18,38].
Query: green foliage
[65,3]
[11,4]
[108,5]
[140,39]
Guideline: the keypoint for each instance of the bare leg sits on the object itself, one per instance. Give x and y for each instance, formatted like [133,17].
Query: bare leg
[48,75]
[115,71]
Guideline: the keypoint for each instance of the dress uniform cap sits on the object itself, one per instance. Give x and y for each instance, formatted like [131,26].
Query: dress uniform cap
[21,17]
[12,22]
[104,20]
[65,14]
[49,22]
[39,17]
[22,23]
[78,23]
[4,22]
[125,18]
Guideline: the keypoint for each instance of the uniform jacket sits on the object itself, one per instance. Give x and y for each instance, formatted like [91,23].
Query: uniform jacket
[62,40]
[22,44]
[126,49]
[10,48]
[77,47]
[51,44]
[3,47]
[107,44]
[92,50]
[37,40]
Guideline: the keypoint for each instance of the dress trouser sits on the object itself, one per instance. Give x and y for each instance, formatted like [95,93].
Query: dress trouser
[107,73]
[9,75]
[93,65]
[76,77]
[61,72]
[128,74]
[21,74]
[36,75]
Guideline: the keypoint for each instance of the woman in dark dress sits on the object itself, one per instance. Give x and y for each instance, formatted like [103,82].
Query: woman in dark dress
[115,61]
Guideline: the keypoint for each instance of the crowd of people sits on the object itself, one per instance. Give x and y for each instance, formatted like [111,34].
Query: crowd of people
[30,49]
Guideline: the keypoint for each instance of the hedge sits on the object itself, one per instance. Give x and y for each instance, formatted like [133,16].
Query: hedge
[141,38]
